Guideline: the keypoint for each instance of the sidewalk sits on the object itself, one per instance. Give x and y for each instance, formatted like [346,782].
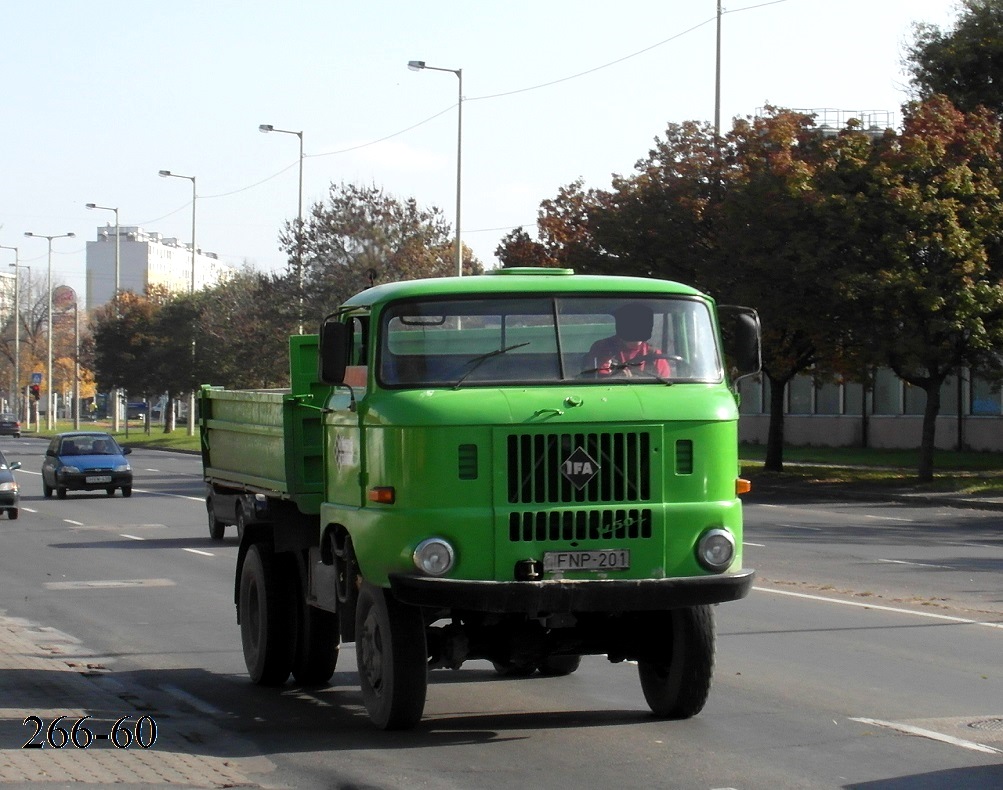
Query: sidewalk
[40,667]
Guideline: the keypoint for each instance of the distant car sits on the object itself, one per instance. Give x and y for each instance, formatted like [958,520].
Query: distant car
[85,461]
[9,493]
[10,425]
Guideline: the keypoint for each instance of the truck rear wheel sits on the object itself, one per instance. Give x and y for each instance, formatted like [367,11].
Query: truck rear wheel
[317,645]
[677,686]
[559,666]
[216,527]
[267,616]
[392,658]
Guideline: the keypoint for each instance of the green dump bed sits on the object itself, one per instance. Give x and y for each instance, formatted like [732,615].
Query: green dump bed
[269,441]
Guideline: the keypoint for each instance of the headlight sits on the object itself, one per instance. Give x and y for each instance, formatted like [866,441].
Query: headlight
[10,485]
[434,556]
[122,468]
[716,550]
[69,470]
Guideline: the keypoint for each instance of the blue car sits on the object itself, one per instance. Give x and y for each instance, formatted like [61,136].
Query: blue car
[85,461]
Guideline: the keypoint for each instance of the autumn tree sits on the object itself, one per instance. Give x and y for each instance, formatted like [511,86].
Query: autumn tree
[361,236]
[964,63]
[922,278]
[517,248]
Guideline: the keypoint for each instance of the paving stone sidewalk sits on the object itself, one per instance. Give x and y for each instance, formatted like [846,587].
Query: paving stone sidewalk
[39,668]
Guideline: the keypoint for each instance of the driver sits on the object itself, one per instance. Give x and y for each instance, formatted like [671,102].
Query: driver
[628,349]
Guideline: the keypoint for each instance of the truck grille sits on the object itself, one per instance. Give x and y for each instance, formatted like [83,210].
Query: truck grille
[569,525]
[534,463]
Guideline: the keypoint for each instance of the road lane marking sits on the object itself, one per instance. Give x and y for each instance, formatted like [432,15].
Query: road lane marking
[130,537]
[895,609]
[908,729]
[890,518]
[199,704]
[757,545]
[917,564]
[74,523]
[199,551]
[104,584]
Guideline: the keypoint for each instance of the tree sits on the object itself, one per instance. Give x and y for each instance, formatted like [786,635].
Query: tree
[518,249]
[965,63]
[362,236]
[924,279]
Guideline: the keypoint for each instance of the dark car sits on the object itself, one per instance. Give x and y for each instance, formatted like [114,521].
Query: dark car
[10,425]
[9,494]
[85,461]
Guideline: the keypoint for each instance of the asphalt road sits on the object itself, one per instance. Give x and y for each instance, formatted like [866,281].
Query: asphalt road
[868,656]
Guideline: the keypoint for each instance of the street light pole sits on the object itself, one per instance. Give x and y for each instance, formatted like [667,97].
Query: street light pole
[48,383]
[118,274]
[265,128]
[191,395]
[17,329]
[418,65]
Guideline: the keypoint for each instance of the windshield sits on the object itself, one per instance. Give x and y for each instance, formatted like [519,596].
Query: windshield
[656,340]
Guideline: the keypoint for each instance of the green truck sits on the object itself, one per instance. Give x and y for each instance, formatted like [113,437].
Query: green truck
[523,467]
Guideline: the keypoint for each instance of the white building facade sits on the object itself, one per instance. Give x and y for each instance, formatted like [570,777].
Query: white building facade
[146,259]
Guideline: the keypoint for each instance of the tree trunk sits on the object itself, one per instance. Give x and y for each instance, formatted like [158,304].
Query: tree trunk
[169,415]
[928,441]
[775,438]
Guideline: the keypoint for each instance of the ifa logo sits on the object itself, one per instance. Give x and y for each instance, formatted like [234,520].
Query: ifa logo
[579,468]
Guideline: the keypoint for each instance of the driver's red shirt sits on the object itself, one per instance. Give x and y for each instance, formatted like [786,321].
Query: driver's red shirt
[607,353]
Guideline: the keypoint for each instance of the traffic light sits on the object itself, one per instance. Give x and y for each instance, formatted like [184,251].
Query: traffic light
[35,391]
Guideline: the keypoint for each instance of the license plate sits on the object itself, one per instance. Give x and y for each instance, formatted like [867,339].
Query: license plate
[594,560]
[98,478]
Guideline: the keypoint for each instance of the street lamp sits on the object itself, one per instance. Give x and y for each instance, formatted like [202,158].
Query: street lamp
[191,395]
[418,65]
[48,382]
[265,128]
[118,270]
[17,327]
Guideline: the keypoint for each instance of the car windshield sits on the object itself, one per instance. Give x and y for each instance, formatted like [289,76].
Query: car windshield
[88,445]
[608,339]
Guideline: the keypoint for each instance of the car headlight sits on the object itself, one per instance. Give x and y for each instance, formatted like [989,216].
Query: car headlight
[434,556]
[10,485]
[123,468]
[716,550]
[69,470]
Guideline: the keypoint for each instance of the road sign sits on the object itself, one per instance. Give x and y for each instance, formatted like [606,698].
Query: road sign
[36,378]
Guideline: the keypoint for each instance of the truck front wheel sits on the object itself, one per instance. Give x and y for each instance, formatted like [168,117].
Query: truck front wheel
[267,616]
[392,658]
[216,527]
[677,682]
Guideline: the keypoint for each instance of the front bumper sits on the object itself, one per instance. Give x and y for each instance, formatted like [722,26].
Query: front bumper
[78,481]
[600,595]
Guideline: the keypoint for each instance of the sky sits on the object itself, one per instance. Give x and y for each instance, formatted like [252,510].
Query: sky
[99,96]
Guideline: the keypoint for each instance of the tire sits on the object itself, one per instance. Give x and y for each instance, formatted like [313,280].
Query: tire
[61,492]
[559,666]
[241,520]
[392,659]
[514,669]
[126,491]
[677,687]
[13,513]
[216,527]
[267,617]
[46,491]
[317,645]
[110,491]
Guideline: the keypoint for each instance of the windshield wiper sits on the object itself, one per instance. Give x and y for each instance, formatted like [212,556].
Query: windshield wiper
[476,361]
[613,367]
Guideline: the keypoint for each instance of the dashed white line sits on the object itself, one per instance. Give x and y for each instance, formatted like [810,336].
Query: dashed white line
[199,551]
[931,734]
[916,564]
[890,518]
[131,537]
[878,607]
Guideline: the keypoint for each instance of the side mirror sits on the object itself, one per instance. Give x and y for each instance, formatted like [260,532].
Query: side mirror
[742,335]
[14,465]
[50,453]
[334,346]
[126,450]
